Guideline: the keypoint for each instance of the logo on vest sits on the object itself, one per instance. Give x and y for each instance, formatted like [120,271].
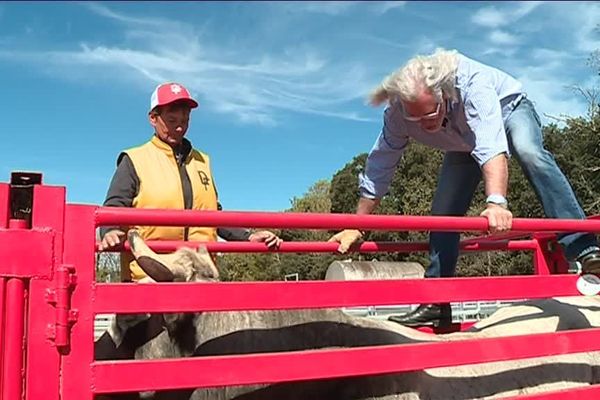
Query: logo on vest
[204,179]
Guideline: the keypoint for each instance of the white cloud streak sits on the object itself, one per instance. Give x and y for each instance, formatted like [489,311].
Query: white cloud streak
[503,38]
[494,17]
[256,90]
[382,7]
[336,8]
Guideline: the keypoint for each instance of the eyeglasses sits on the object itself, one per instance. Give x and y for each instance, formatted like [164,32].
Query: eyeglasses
[425,117]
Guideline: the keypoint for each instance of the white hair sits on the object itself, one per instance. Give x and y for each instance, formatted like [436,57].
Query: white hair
[435,72]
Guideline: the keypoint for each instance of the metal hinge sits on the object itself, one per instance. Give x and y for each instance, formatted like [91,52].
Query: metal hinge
[60,297]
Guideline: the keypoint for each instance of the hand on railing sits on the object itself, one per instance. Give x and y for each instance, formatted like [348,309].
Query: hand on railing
[112,239]
[346,239]
[269,238]
[499,218]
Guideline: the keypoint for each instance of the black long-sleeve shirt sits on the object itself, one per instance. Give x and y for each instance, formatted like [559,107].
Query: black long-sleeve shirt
[125,185]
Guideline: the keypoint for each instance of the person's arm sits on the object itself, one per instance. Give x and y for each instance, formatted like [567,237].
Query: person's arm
[124,185]
[366,205]
[232,234]
[484,116]
[122,190]
[375,180]
[495,175]
[384,157]
[246,235]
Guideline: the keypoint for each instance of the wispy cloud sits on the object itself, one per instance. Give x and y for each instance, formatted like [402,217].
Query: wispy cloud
[495,17]
[336,8]
[104,11]
[322,7]
[548,84]
[586,18]
[382,7]
[503,38]
[256,90]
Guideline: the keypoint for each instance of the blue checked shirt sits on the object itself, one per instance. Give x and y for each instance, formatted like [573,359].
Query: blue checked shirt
[475,124]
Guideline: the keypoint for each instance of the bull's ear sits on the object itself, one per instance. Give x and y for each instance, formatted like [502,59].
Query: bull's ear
[150,262]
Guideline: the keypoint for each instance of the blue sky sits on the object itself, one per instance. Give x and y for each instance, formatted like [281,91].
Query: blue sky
[282,86]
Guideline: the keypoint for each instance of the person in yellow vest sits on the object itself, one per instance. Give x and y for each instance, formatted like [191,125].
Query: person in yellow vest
[168,173]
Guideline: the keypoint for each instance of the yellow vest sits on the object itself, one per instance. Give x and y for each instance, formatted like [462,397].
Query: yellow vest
[161,187]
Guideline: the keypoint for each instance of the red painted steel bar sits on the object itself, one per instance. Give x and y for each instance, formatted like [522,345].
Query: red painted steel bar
[4,204]
[130,216]
[503,237]
[12,374]
[292,366]
[328,247]
[580,393]
[43,357]
[4,214]
[79,241]
[226,296]
[2,313]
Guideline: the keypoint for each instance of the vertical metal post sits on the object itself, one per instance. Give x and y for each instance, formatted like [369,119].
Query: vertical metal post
[2,312]
[43,378]
[4,212]
[540,263]
[12,374]
[79,251]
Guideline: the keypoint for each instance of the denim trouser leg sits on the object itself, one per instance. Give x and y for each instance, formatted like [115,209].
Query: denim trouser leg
[457,182]
[552,188]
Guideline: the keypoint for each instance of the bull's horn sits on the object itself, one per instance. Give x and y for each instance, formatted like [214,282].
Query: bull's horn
[150,262]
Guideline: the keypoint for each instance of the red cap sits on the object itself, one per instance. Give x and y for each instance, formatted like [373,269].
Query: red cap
[170,92]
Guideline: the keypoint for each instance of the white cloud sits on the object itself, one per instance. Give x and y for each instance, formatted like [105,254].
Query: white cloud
[425,44]
[525,7]
[548,84]
[335,8]
[489,17]
[104,11]
[545,54]
[503,38]
[552,99]
[382,7]
[494,17]
[321,7]
[586,19]
[254,86]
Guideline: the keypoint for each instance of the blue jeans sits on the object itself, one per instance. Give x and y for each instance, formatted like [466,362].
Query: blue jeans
[460,176]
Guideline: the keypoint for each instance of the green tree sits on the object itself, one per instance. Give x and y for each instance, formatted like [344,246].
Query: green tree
[244,267]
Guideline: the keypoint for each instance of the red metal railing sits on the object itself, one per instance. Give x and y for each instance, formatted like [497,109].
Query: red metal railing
[244,296]
[164,246]
[55,348]
[4,209]
[106,216]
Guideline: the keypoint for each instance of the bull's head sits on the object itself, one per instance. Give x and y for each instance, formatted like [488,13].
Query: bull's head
[184,265]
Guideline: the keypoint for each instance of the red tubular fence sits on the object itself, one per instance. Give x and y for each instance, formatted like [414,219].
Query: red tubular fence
[106,216]
[54,287]
[164,246]
[4,209]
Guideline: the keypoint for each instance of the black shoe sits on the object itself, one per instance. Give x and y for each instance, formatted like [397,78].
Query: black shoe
[438,315]
[590,263]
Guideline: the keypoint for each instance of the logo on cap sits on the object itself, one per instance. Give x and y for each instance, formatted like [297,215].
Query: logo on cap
[175,88]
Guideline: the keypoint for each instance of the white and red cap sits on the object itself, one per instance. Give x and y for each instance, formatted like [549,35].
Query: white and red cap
[170,92]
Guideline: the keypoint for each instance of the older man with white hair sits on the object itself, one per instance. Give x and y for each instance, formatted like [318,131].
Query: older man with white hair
[479,116]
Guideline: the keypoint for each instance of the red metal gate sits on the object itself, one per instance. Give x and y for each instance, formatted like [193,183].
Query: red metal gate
[48,299]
